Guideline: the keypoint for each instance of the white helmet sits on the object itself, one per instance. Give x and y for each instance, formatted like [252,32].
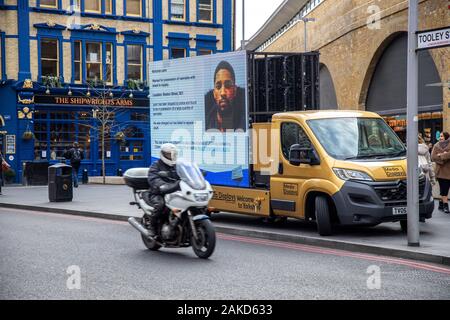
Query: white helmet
[168,154]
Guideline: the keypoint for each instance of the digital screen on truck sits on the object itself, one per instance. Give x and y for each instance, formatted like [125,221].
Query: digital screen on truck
[200,105]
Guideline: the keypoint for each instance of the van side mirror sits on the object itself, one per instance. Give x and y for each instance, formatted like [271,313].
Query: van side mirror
[299,155]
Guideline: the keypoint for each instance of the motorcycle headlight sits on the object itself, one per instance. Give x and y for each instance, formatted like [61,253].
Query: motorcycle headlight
[346,175]
[201,197]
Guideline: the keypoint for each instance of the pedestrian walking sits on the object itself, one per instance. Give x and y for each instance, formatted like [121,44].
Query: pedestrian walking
[441,155]
[3,167]
[425,161]
[75,155]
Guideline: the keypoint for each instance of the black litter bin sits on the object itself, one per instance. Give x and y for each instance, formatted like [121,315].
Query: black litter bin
[60,183]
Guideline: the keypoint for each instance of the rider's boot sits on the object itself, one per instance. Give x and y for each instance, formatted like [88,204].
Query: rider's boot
[153,227]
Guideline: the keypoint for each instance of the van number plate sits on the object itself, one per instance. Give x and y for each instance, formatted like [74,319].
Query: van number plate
[400,211]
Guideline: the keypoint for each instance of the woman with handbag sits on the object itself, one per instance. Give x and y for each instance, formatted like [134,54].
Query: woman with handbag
[4,167]
[441,155]
[425,161]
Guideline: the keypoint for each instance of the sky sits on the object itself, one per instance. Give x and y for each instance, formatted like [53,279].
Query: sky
[256,13]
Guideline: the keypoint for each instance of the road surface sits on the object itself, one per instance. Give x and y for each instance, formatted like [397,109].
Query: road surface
[41,253]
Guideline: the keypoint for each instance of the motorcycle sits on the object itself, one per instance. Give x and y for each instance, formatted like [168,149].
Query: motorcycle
[187,223]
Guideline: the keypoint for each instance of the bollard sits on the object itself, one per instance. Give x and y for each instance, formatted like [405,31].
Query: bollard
[85,178]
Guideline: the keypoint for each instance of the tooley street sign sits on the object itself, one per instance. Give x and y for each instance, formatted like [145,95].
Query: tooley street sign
[433,38]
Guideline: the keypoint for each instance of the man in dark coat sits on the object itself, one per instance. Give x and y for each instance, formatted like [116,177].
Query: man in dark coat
[225,104]
[75,155]
[1,172]
[166,163]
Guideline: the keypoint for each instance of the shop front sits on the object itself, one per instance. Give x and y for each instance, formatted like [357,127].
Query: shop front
[430,125]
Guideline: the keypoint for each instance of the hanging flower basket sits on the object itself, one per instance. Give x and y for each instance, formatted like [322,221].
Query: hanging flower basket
[28,135]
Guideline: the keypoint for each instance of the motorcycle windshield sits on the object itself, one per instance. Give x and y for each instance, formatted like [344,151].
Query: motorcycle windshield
[191,174]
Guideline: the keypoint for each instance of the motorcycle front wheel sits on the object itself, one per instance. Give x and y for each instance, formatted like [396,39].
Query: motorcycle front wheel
[205,243]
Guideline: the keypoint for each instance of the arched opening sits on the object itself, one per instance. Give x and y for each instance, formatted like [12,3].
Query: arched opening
[386,92]
[328,99]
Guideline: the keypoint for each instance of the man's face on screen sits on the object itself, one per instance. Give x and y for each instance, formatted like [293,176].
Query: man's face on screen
[224,89]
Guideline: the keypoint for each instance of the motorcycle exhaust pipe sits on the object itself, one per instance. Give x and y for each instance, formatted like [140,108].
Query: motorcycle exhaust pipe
[139,227]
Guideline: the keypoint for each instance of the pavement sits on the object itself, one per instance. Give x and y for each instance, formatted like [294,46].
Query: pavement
[42,253]
[112,202]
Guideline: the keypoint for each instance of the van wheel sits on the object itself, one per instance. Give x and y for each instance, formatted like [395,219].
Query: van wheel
[404,225]
[323,217]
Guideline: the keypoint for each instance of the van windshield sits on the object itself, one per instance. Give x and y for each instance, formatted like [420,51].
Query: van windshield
[357,138]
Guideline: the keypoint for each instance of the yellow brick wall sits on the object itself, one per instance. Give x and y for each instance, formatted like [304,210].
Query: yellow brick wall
[33,60]
[67,72]
[350,49]
[120,64]
[12,58]
[8,22]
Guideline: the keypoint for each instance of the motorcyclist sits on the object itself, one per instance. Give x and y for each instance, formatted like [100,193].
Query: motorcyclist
[160,186]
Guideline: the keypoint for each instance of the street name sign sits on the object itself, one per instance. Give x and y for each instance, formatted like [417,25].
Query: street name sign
[433,38]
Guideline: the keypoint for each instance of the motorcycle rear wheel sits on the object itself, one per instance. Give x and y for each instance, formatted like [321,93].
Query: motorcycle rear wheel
[206,243]
[150,244]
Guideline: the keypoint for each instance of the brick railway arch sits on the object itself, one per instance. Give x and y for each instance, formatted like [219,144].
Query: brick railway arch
[384,86]
[328,98]
[372,67]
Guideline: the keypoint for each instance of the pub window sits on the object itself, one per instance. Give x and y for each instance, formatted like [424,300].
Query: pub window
[138,116]
[205,10]
[94,61]
[134,62]
[77,61]
[93,6]
[108,6]
[109,59]
[49,3]
[204,52]
[177,9]
[134,7]
[176,53]
[107,142]
[49,57]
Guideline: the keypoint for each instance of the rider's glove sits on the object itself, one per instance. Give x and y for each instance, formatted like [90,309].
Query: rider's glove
[169,188]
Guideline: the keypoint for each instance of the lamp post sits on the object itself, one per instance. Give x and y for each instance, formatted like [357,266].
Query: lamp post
[413,127]
[306,20]
[243,26]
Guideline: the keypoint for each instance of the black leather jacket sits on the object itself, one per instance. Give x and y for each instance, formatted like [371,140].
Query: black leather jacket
[155,181]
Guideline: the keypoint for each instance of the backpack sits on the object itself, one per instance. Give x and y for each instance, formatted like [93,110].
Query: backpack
[76,156]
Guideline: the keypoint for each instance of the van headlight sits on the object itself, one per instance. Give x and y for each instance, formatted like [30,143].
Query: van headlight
[346,175]
[201,197]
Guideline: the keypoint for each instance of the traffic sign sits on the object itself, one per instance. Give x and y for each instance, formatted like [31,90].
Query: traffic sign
[436,38]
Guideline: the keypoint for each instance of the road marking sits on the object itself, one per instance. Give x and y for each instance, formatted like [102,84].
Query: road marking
[271,243]
[341,253]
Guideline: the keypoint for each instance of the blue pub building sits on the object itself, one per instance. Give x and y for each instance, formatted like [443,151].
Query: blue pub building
[77,70]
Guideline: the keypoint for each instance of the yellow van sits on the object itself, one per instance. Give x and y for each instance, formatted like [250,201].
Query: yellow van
[332,167]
